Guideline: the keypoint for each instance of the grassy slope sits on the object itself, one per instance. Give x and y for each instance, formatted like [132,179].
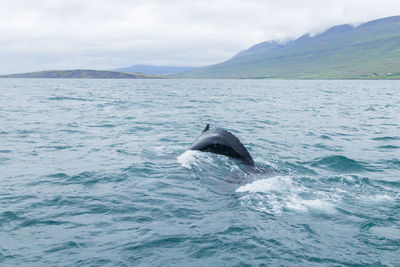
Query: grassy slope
[154,70]
[87,74]
[371,50]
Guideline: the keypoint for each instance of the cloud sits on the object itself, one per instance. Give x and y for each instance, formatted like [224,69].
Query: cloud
[106,34]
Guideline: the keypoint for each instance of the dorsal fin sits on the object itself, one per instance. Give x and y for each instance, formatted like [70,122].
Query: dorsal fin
[207,128]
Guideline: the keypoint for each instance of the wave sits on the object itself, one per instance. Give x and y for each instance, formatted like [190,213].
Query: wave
[68,98]
[386,138]
[389,147]
[393,163]
[56,147]
[338,163]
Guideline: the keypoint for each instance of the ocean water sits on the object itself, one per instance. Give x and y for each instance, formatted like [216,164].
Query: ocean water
[97,172]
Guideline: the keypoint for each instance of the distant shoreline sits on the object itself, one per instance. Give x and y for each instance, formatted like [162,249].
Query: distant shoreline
[104,74]
[82,74]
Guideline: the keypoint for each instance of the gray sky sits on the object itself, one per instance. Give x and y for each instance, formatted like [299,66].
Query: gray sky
[105,34]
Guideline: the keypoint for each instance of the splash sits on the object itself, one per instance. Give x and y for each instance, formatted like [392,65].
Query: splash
[285,193]
[192,158]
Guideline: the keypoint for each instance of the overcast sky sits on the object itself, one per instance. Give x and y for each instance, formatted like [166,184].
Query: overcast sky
[106,34]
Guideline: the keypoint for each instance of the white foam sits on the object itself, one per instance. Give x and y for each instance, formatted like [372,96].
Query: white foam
[276,183]
[319,204]
[192,158]
[279,193]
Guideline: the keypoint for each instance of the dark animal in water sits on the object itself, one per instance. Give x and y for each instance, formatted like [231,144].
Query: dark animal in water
[222,142]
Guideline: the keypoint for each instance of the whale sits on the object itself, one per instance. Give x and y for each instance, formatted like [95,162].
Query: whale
[222,142]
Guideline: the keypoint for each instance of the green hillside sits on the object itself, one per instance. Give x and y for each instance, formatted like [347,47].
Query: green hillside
[369,51]
[80,74]
[155,70]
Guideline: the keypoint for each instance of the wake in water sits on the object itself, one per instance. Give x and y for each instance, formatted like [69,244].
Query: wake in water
[220,174]
[285,194]
[263,189]
[277,190]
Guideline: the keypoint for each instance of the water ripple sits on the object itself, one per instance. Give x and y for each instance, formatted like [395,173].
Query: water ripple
[97,172]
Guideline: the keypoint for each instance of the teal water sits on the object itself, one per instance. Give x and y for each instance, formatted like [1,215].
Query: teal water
[96,172]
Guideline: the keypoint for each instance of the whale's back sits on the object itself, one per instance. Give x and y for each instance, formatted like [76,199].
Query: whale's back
[222,142]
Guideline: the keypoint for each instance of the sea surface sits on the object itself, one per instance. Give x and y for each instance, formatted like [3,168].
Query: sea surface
[97,173]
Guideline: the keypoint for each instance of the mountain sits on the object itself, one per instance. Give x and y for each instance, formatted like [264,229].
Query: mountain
[369,51]
[155,70]
[87,74]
